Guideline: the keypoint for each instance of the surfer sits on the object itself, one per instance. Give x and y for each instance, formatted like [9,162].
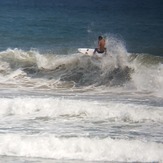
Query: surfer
[101,45]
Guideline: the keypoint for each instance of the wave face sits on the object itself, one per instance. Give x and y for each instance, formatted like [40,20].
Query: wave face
[31,69]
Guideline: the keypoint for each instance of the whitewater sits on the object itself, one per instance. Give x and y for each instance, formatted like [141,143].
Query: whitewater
[74,108]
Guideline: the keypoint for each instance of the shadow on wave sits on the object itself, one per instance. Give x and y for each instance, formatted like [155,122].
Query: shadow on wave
[84,77]
[90,73]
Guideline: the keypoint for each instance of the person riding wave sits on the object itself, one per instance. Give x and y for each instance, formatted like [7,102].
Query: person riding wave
[101,45]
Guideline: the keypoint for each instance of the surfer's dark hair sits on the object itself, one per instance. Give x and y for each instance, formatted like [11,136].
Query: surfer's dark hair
[100,37]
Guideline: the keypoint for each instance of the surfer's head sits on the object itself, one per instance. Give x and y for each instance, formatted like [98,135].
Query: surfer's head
[100,37]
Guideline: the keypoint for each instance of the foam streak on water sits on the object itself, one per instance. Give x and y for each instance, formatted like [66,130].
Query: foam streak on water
[73,129]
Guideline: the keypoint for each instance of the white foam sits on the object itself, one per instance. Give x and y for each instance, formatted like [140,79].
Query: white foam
[93,149]
[148,77]
[51,62]
[18,57]
[14,61]
[56,107]
[117,50]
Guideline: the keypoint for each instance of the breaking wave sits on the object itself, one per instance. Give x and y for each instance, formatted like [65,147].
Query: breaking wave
[107,149]
[66,108]
[31,69]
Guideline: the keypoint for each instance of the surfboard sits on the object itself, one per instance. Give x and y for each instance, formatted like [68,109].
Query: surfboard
[89,52]
[86,51]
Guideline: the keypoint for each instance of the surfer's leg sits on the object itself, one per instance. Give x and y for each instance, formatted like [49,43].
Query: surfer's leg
[96,49]
[105,50]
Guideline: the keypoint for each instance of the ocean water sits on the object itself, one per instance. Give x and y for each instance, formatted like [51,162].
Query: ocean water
[59,106]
